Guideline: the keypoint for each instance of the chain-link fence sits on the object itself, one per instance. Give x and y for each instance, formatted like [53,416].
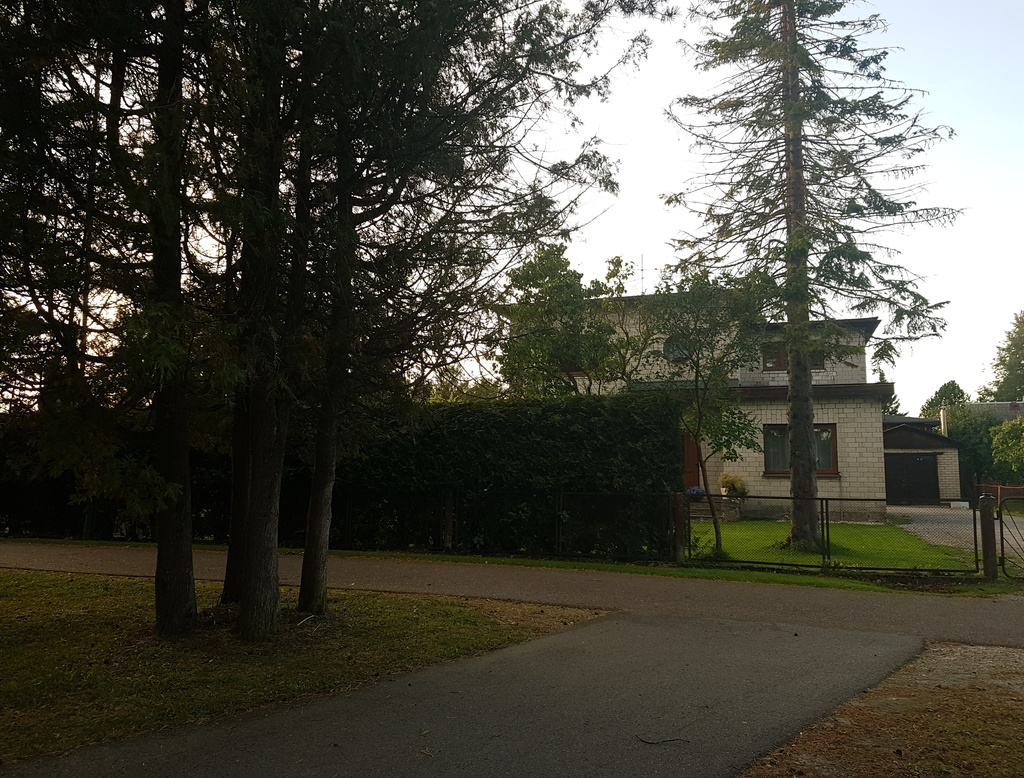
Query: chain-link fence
[846,533]
[679,527]
[1011,536]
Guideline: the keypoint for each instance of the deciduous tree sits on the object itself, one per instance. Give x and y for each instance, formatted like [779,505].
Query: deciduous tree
[711,329]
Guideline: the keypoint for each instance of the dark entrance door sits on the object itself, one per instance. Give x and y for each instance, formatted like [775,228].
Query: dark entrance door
[912,478]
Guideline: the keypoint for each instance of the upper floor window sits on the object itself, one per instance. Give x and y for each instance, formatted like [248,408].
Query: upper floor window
[776,448]
[774,358]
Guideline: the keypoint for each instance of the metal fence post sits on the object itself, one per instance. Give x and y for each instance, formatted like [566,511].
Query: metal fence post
[989,555]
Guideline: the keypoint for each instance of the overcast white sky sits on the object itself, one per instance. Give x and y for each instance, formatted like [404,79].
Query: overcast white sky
[970,60]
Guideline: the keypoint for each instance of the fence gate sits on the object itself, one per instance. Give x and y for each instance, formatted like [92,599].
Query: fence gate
[1011,536]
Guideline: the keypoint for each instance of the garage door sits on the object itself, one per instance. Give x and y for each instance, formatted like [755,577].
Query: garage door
[912,478]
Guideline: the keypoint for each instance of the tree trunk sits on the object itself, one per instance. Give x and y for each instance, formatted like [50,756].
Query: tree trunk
[260,168]
[313,588]
[234,573]
[803,485]
[802,454]
[336,277]
[259,612]
[175,579]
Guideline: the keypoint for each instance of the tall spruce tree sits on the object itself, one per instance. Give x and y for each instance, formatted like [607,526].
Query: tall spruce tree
[1008,366]
[811,152]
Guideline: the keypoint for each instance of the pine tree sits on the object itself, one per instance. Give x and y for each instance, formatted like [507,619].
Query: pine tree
[811,153]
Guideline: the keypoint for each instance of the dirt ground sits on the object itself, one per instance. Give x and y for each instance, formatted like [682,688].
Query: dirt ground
[956,711]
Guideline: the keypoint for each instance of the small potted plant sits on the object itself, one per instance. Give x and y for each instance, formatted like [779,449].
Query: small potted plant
[732,485]
[695,494]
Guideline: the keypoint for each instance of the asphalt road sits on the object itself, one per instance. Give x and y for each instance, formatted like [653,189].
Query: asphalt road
[684,678]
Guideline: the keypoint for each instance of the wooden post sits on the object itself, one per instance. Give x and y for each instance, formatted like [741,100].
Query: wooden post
[989,555]
[680,509]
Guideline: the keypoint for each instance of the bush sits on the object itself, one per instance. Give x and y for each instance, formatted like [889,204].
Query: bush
[623,443]
[733,484]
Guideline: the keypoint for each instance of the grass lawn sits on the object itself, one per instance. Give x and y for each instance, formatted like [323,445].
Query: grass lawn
[81,663]
[853,545]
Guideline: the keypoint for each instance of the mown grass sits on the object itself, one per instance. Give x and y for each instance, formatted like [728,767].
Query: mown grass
[878,546]
[81,663]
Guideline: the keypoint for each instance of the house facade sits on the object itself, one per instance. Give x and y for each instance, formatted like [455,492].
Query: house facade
[848,411]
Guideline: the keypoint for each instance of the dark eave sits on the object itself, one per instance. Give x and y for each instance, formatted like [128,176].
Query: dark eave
[909,436]
[865,327]
[820,391]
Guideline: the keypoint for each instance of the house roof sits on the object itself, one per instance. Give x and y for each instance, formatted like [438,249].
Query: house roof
[1002,411]
[910,421]
[912,437]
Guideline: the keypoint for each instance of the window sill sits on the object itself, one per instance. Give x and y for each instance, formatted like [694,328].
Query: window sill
[821,476]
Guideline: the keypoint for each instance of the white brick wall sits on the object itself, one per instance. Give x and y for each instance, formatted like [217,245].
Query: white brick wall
[858,444]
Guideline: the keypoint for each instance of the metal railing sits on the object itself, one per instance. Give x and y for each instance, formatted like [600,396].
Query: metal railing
[852,534]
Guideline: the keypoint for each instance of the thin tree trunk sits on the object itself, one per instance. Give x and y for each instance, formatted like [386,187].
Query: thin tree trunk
[716,519]
[313,586]
[337,270]
[175,577]
[234,571]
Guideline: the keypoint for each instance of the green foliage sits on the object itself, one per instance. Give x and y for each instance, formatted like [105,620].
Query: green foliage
[949,395]
[1008,385]
[713,329]
[554,343]
[804,138]
[452,384]
[1008,444]
[621,443]
[892,407]
[972,429]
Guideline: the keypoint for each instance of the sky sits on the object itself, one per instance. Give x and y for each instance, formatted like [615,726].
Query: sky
[970,62]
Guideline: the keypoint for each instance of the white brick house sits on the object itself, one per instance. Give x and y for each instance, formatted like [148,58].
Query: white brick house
[848,412]
[847,416]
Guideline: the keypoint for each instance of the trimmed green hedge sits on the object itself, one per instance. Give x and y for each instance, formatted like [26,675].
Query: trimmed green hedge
[620,443]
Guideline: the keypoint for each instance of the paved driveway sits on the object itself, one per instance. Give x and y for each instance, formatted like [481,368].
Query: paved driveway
[685,678]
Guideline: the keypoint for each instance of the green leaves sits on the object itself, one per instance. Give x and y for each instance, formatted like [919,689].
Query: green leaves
[1008,444]
[1008,366]
[809,141]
